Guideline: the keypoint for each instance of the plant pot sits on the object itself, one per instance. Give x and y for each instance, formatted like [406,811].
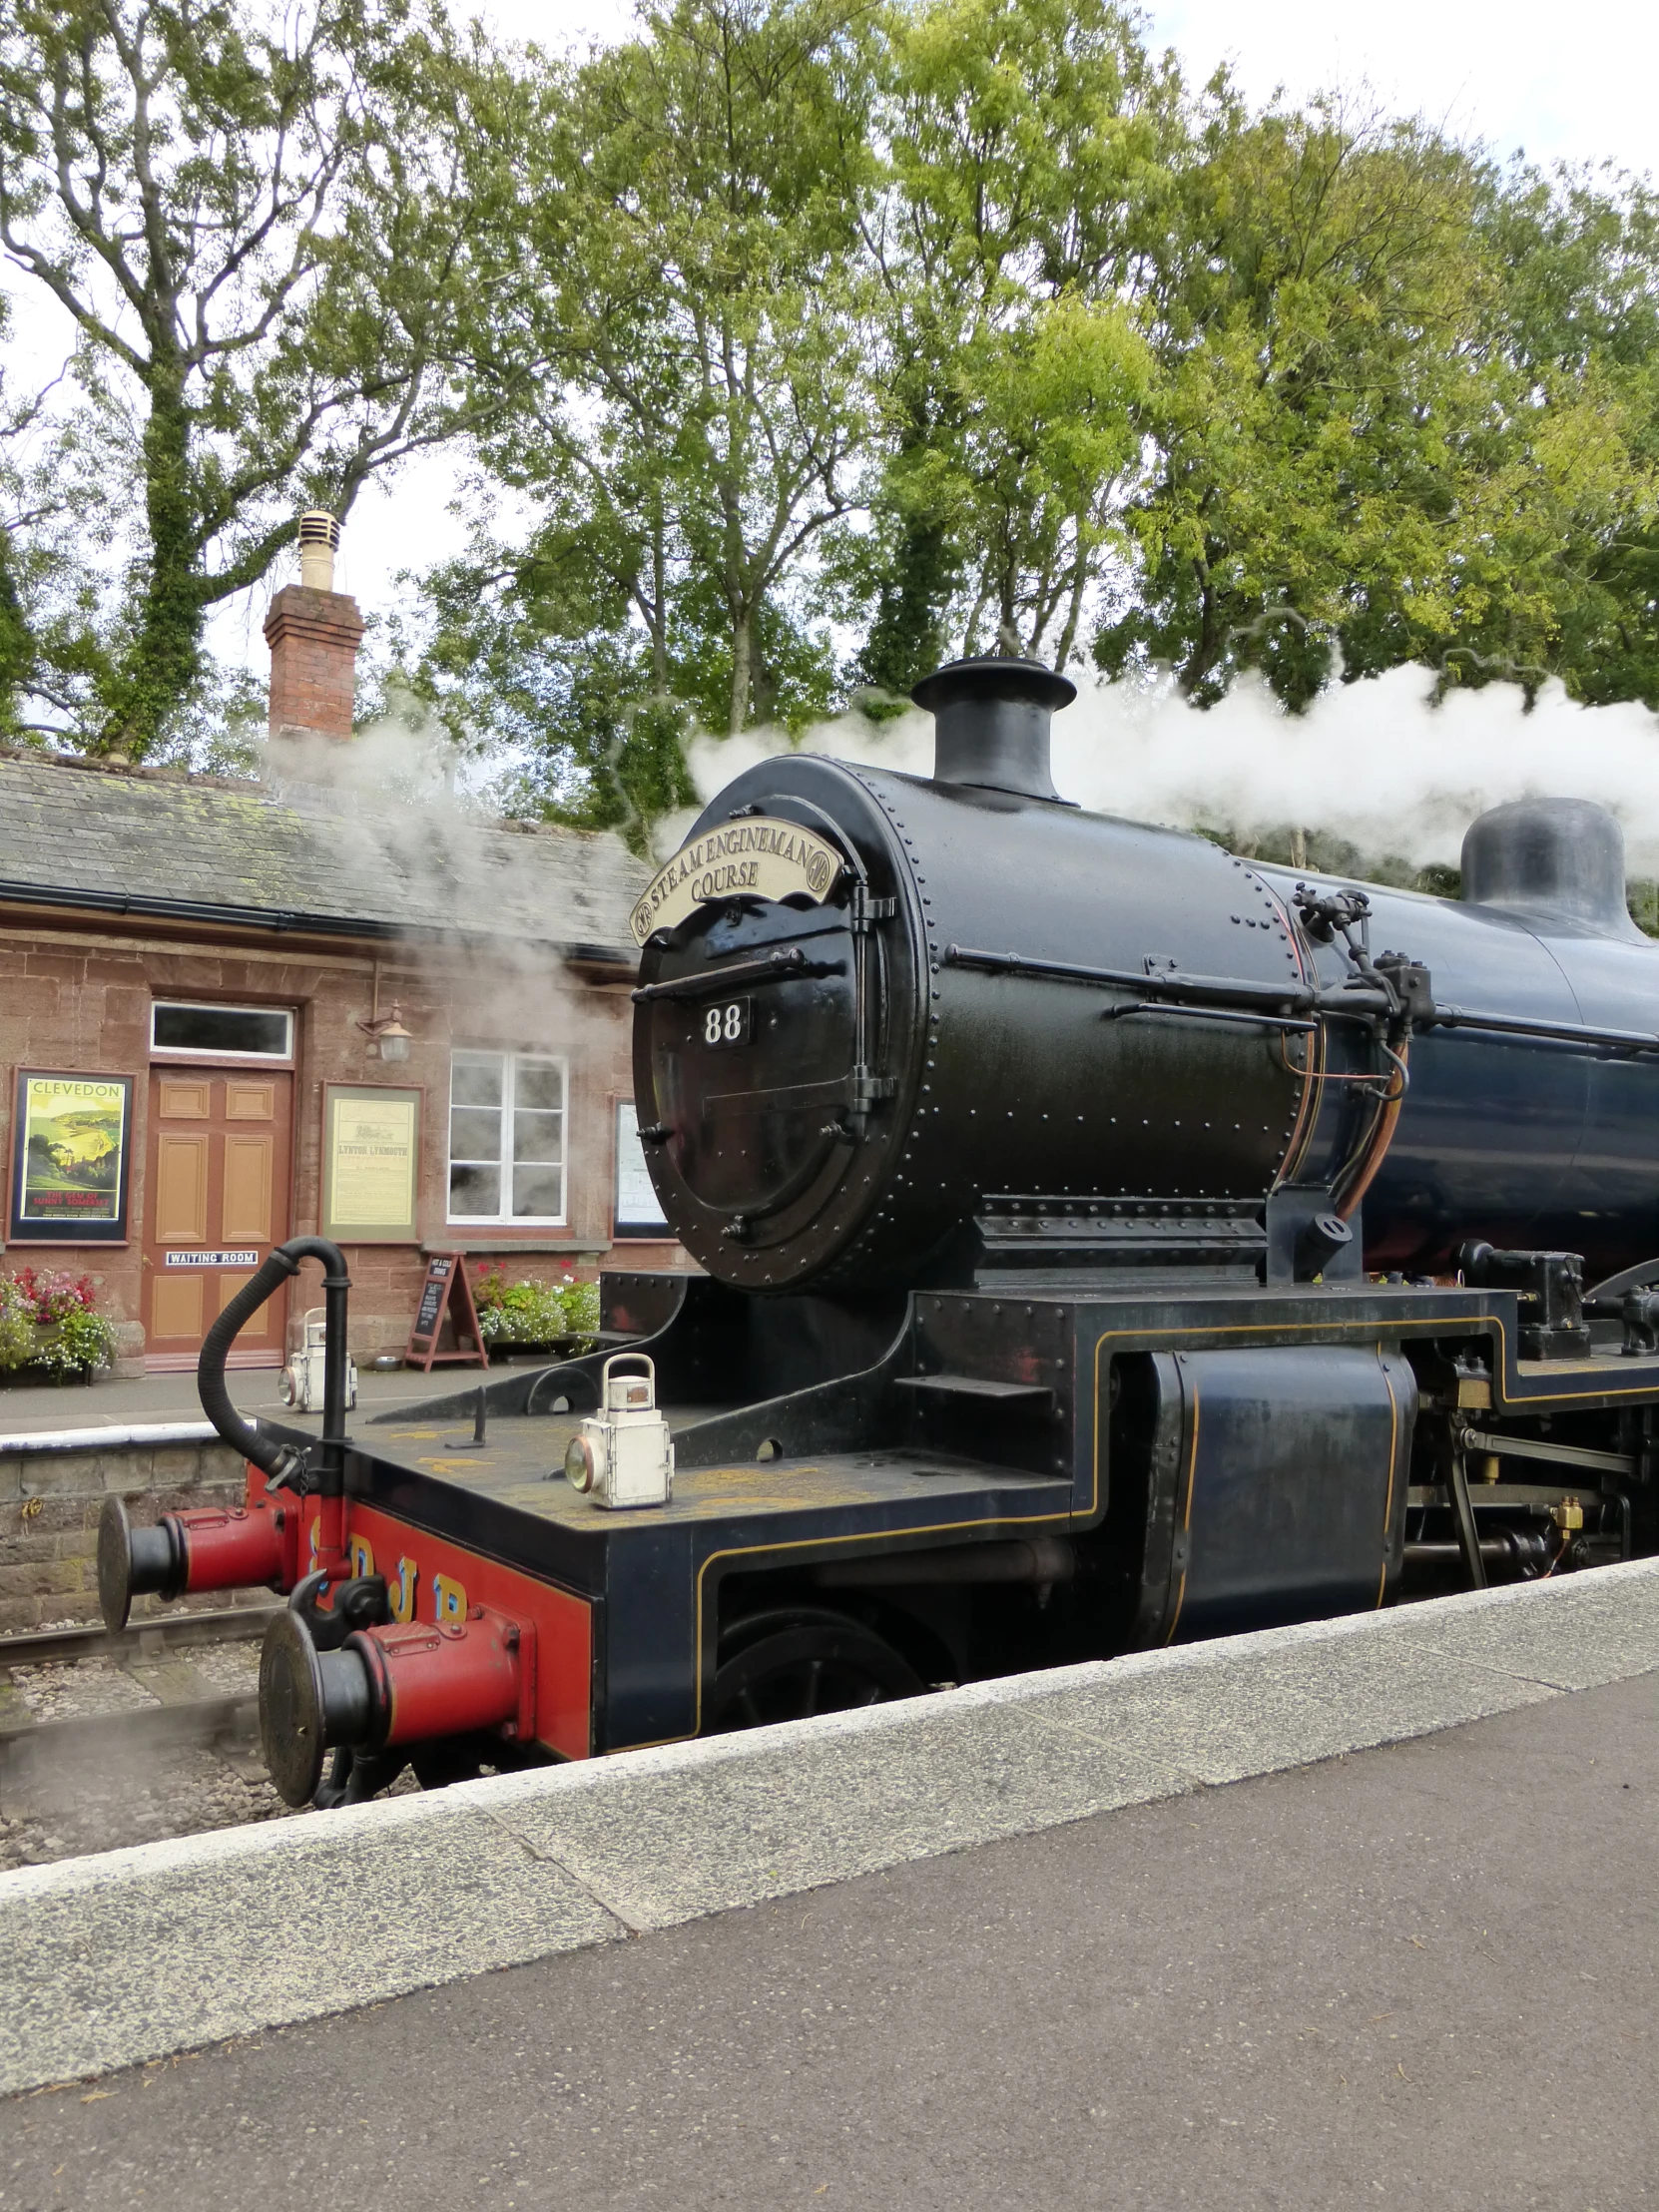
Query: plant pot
[511,1350]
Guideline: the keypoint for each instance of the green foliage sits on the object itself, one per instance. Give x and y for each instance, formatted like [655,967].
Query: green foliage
[510,667]
[1030,145]
[796,346]
[51,1321]
[256,221]
[1388,430]
[75,1345]
[677,344]
[18,1334]
[535,1312]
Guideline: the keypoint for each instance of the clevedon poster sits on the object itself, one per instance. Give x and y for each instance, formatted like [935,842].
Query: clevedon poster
[70,1173]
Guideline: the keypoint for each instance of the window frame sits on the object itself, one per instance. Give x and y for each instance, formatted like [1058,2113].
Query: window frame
[505,1163]
[198,1053]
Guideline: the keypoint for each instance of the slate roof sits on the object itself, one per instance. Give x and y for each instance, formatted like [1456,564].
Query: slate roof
[298,856]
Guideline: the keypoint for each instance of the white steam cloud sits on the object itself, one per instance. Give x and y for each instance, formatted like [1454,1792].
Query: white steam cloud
[1374,763]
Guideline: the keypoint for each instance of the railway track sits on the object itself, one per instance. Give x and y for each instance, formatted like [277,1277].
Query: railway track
[171,1632]
[115,1738]
[30,1752]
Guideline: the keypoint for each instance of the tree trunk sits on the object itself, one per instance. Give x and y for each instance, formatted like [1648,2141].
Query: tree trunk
[659,611]
[1211,641]
[164,658]
[742,654]
[1074,606]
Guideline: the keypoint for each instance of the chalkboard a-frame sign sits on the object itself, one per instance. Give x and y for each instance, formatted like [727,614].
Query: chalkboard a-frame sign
[446,1294]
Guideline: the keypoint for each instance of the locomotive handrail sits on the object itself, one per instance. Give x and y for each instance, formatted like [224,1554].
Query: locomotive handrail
[776,968]
[1359,1002]
[1568,1032]
[1253,1015]
[1171,984]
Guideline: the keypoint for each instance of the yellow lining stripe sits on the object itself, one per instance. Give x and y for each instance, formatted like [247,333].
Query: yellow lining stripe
[1149,1339]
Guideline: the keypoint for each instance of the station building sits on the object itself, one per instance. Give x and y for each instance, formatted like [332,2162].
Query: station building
[233,1012]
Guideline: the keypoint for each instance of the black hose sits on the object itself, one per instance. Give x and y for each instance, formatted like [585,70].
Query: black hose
[336,1284]
[280,1462]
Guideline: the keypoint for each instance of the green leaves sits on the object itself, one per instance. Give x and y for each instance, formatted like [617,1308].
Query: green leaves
[1393,422]
[801,343]
[259,224]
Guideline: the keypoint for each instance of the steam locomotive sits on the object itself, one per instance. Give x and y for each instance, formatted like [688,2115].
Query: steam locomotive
[1104,1239]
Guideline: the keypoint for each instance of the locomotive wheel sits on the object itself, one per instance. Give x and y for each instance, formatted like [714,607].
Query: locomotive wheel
[788,1666]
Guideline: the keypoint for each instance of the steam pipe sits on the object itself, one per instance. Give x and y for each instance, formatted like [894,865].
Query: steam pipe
[336,1286]
[265,1453]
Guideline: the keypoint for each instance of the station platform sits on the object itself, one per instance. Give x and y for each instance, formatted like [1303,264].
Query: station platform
[1325,1917]
[122,1401]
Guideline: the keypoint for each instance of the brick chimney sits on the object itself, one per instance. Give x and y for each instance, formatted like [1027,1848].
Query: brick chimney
[314,633]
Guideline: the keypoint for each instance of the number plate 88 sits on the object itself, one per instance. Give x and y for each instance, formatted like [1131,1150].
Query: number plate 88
[731,1022]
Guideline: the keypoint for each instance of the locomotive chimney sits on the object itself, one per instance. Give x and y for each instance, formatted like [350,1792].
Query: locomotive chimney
[991,723]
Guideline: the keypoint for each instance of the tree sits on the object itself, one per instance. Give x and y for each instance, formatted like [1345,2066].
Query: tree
[256,222]
[678,339]
[534,654]
[1356,460]
[27,506]
[1032,149]
[1578,313]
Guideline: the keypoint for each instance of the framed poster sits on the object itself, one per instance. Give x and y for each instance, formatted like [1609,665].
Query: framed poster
[71,1139]
[370,1164]
[636,1212]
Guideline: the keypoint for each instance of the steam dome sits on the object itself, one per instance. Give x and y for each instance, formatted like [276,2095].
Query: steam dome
[1561,860]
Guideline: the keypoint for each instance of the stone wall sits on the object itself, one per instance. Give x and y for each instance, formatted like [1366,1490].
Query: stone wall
[49,1507]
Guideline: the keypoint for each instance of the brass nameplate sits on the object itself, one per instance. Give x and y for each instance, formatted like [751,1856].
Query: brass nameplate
[757,857]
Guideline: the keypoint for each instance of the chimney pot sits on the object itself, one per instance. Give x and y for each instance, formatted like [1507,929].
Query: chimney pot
[318,543]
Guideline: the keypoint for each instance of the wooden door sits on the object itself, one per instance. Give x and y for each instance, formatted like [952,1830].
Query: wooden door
[216,1201]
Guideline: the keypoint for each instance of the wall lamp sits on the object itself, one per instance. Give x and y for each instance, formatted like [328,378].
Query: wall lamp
[388,1031]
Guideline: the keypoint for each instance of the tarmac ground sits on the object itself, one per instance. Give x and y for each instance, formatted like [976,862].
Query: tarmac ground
[116,1401]
[1424,1974]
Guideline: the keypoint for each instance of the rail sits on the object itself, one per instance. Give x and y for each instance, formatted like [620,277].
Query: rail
[36,1647]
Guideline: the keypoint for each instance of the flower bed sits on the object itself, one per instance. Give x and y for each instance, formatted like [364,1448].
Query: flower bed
[553,1317]
[50,1325]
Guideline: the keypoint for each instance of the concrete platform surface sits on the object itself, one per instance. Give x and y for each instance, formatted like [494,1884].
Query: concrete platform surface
[1421,1976]
[137,1953]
